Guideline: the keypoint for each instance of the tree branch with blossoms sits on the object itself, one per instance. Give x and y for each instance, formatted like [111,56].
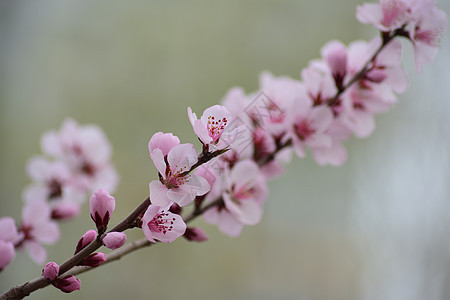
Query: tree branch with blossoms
[245,142]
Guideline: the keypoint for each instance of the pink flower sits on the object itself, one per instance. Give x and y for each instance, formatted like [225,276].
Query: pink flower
[95,259]
[211,128]
[336,154]
[175,184]
[427,28]
[421,21]
[7,254]
[53,183]
[51,271]
[310,127]
[158,223]
[195,234]
[101,205]
[114,240]
[8,230]
[87,152]
[335,54]
[243,192]
[386,16]
[85,240]
[163,141]
[319,82]
[281,93]
[37,229]
[246,191]
[68,284]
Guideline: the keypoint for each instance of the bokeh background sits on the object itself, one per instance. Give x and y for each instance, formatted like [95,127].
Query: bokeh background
[376,228]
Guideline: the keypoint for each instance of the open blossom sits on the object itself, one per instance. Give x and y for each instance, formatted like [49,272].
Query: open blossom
[386,16]
[271,110]
[7,254]
[421,21]
[310,127]
[8,236]
[158,223]
[176,184]
[52,182]
[427,27]
[87,152]
[373,93]
[244,192]
[36,229]
[101,205]
[211,128]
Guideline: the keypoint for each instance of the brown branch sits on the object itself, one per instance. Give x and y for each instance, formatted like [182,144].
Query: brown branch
[21,291]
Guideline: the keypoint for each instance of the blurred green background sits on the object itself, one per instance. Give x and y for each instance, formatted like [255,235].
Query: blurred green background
[376,228]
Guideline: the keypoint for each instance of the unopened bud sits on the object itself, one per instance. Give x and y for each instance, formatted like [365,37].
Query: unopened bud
[51,271]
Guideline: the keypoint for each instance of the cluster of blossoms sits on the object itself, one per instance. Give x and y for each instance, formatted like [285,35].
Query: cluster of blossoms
[244,143]
[76,163]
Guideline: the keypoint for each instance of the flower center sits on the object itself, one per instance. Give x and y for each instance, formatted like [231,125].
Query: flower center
[304,130]
[161,223]
[175,179]
[55,189]
[216,127]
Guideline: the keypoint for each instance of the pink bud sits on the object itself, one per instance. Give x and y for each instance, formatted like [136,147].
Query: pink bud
[95,259]
[7,254]
[51,271]
[335,54]
[85,240]
[114,240]
[176,209]
[376,75]
[68,284]
[65,211]
[195,234]
[101,205]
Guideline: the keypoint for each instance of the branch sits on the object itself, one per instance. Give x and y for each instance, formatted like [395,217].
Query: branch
[386,37]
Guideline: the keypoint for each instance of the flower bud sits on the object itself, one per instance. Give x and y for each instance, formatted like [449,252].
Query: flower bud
[51,271]
[114,240]
[335,54]
[101,205]
[65,211]
[176,209]
[7,254]
[85,240]
[68,284]
[94,259]
[195,234]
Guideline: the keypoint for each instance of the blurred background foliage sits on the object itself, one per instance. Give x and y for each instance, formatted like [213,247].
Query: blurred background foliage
[375,228]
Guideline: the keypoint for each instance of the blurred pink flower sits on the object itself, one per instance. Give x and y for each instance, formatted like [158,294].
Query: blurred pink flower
[87,152]
[7,254]
[36,229]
